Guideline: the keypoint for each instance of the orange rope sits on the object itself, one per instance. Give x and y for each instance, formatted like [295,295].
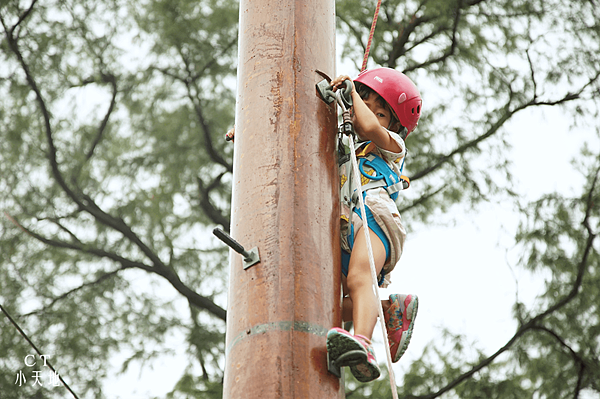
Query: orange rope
[368,49]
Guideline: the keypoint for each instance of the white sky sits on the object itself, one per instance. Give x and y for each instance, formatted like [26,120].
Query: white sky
[466,275]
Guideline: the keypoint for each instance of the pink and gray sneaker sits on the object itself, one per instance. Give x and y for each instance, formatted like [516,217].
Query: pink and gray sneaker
[399,322]
[369,370]
[344,348]
[354,351]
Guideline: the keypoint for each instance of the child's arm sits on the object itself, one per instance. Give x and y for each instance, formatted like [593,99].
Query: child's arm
[366,123]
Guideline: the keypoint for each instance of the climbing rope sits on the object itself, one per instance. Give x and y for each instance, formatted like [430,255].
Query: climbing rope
[361,202]
[356,174]
[368,49]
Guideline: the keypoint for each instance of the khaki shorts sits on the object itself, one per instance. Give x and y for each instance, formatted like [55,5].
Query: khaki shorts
[388,218]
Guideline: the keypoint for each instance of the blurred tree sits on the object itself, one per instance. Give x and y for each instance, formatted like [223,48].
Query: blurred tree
[112,165]
[113,169]
[554,353]
[478,64]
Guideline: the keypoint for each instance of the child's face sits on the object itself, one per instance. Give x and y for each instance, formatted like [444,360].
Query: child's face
[377,105]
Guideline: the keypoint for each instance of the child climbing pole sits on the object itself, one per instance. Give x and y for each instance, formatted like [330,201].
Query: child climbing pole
[386,107]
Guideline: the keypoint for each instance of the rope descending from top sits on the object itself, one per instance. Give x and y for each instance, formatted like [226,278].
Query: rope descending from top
[365,228]
[368,49]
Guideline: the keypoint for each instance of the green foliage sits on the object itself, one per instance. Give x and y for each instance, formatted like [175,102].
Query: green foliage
[494,60]
[190,386]
[111,133]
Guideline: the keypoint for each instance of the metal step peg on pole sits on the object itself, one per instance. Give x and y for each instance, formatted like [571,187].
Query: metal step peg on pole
[250,257]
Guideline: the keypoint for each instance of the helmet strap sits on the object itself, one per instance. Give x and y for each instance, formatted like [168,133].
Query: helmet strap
[403,132]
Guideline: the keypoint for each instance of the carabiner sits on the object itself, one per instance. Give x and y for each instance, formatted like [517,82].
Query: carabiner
[345,95]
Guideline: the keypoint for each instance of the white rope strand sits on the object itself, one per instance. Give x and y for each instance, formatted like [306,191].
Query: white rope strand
[372,264]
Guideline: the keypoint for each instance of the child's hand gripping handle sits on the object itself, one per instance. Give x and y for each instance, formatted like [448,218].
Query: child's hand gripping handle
[327,93]
[230,134]
[347,93]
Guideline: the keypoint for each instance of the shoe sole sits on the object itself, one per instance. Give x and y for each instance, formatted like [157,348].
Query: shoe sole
[407,335]
[344,350]
[365,372]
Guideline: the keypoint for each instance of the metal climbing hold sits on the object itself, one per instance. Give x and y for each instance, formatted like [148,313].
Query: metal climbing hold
[250,257]
[326,92]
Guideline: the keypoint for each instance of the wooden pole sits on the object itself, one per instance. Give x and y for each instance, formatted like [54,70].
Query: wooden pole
[285,202]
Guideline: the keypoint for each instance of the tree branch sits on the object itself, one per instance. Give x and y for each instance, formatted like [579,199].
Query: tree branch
[196,299]
[422,199]
[209,209]
[62,296]
[399,47]
[106,78]
[83,201]
[578,359]
[188,81]
[86,203]
[497,125]
[14,46]
[580,376]
[159,269]
[468,145]
[22,17]
[79,246]
[355,32]
[533,323]
[210,148]
[453,43]
[562,343]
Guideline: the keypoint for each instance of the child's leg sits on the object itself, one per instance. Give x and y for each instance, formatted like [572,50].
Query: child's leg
[347,306]
[359,283]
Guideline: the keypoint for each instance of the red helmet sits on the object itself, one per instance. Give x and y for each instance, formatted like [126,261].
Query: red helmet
[398,91]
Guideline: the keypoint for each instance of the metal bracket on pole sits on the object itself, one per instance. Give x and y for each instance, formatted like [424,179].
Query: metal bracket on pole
[349,358]
[333,368]
[326,91]
[250,257]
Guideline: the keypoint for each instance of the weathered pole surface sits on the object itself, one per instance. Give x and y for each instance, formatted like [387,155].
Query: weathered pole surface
[285,202]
